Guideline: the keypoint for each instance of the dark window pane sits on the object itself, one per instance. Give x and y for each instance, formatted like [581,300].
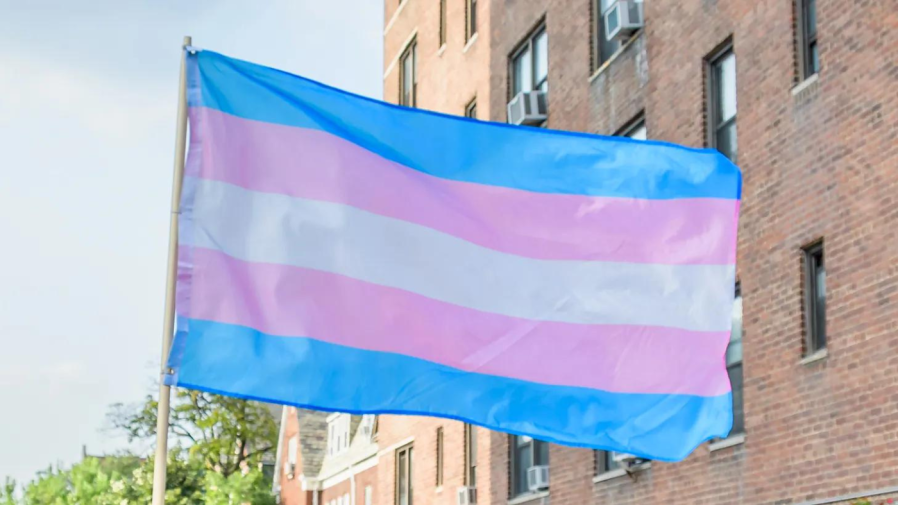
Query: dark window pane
[402,484]
[726,140]
[472,455]
[605,48]
[605,462]
[820,302]
[541,450]
[439,457]
[735,373]
[726,88]
[734,350]
[442,22]
[523,459]
[811,18]
[541,57]
[408,77]
[472,18]
[815,59]
[523,72]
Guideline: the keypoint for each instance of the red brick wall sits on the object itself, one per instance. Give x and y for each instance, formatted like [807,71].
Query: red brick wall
[362,480]
[291,490]
[336,491]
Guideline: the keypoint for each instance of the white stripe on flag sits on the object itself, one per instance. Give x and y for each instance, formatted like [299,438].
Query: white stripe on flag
[269,228]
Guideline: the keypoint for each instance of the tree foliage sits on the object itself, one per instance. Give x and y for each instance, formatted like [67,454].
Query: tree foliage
[227,434]
[216,460]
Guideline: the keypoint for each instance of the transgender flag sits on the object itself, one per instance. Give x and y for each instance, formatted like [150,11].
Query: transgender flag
[341,253]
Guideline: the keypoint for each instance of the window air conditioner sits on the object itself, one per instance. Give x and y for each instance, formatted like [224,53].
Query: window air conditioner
[626,460]
[538,478]
[623,18]
[466,496]
[528,108]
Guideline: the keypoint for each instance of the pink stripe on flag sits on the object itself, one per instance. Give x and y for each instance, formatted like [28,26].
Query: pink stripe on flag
[317,165]
[291,301]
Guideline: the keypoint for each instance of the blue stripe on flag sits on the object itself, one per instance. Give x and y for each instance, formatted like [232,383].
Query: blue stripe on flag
[455,148]
[240,361]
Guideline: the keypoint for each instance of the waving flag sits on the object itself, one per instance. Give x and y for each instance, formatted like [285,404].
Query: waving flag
[341,253]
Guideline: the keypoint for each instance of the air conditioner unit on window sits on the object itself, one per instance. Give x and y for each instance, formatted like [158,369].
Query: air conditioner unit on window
[626,460]
[538,478]
[466,496]
[528,108]
[623,18]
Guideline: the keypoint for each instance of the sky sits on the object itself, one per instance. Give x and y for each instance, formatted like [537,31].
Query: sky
[88,92]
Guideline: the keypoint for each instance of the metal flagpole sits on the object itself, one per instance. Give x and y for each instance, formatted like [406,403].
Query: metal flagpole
[168,323]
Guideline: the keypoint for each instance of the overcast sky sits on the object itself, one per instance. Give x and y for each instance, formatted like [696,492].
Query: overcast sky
[88,91]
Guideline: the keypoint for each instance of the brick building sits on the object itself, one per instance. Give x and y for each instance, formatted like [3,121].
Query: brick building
[803,94]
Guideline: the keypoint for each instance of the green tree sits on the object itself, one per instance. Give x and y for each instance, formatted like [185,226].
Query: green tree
[250,487]
[9,492]
[86,482]
[185,479]
[227,434]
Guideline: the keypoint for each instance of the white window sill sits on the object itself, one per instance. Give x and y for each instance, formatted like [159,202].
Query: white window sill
[528,497]
[441,50]
[805,84]
[813,358]
[470,43]
[439,489]
[730,441]
[607,63]
[620,472]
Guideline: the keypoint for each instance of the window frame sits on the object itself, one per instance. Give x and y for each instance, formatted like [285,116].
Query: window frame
[600,38]
[470,19]
[440,456]
[632,125]
[806,39]
[408,451]
[533,446]
[815,316]
[714,103]
[471,109]
[604,462]
[738,424]
[470,475]
[529,44]
[409,53]
[443,22]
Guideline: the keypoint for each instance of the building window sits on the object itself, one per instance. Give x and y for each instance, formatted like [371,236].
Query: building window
[635,129]
[337,433]
[525,453]
[404,460]
[734,364]
[439,456]
[470,455]
[443,22]
[722,106]
[369,495]
[605,462]
[808,56]
[470,19]
[603,49]
[815,298]
[471,109]
[530,64]
[408,75]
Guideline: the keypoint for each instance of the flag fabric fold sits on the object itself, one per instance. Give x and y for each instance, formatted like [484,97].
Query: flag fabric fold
[341,253]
